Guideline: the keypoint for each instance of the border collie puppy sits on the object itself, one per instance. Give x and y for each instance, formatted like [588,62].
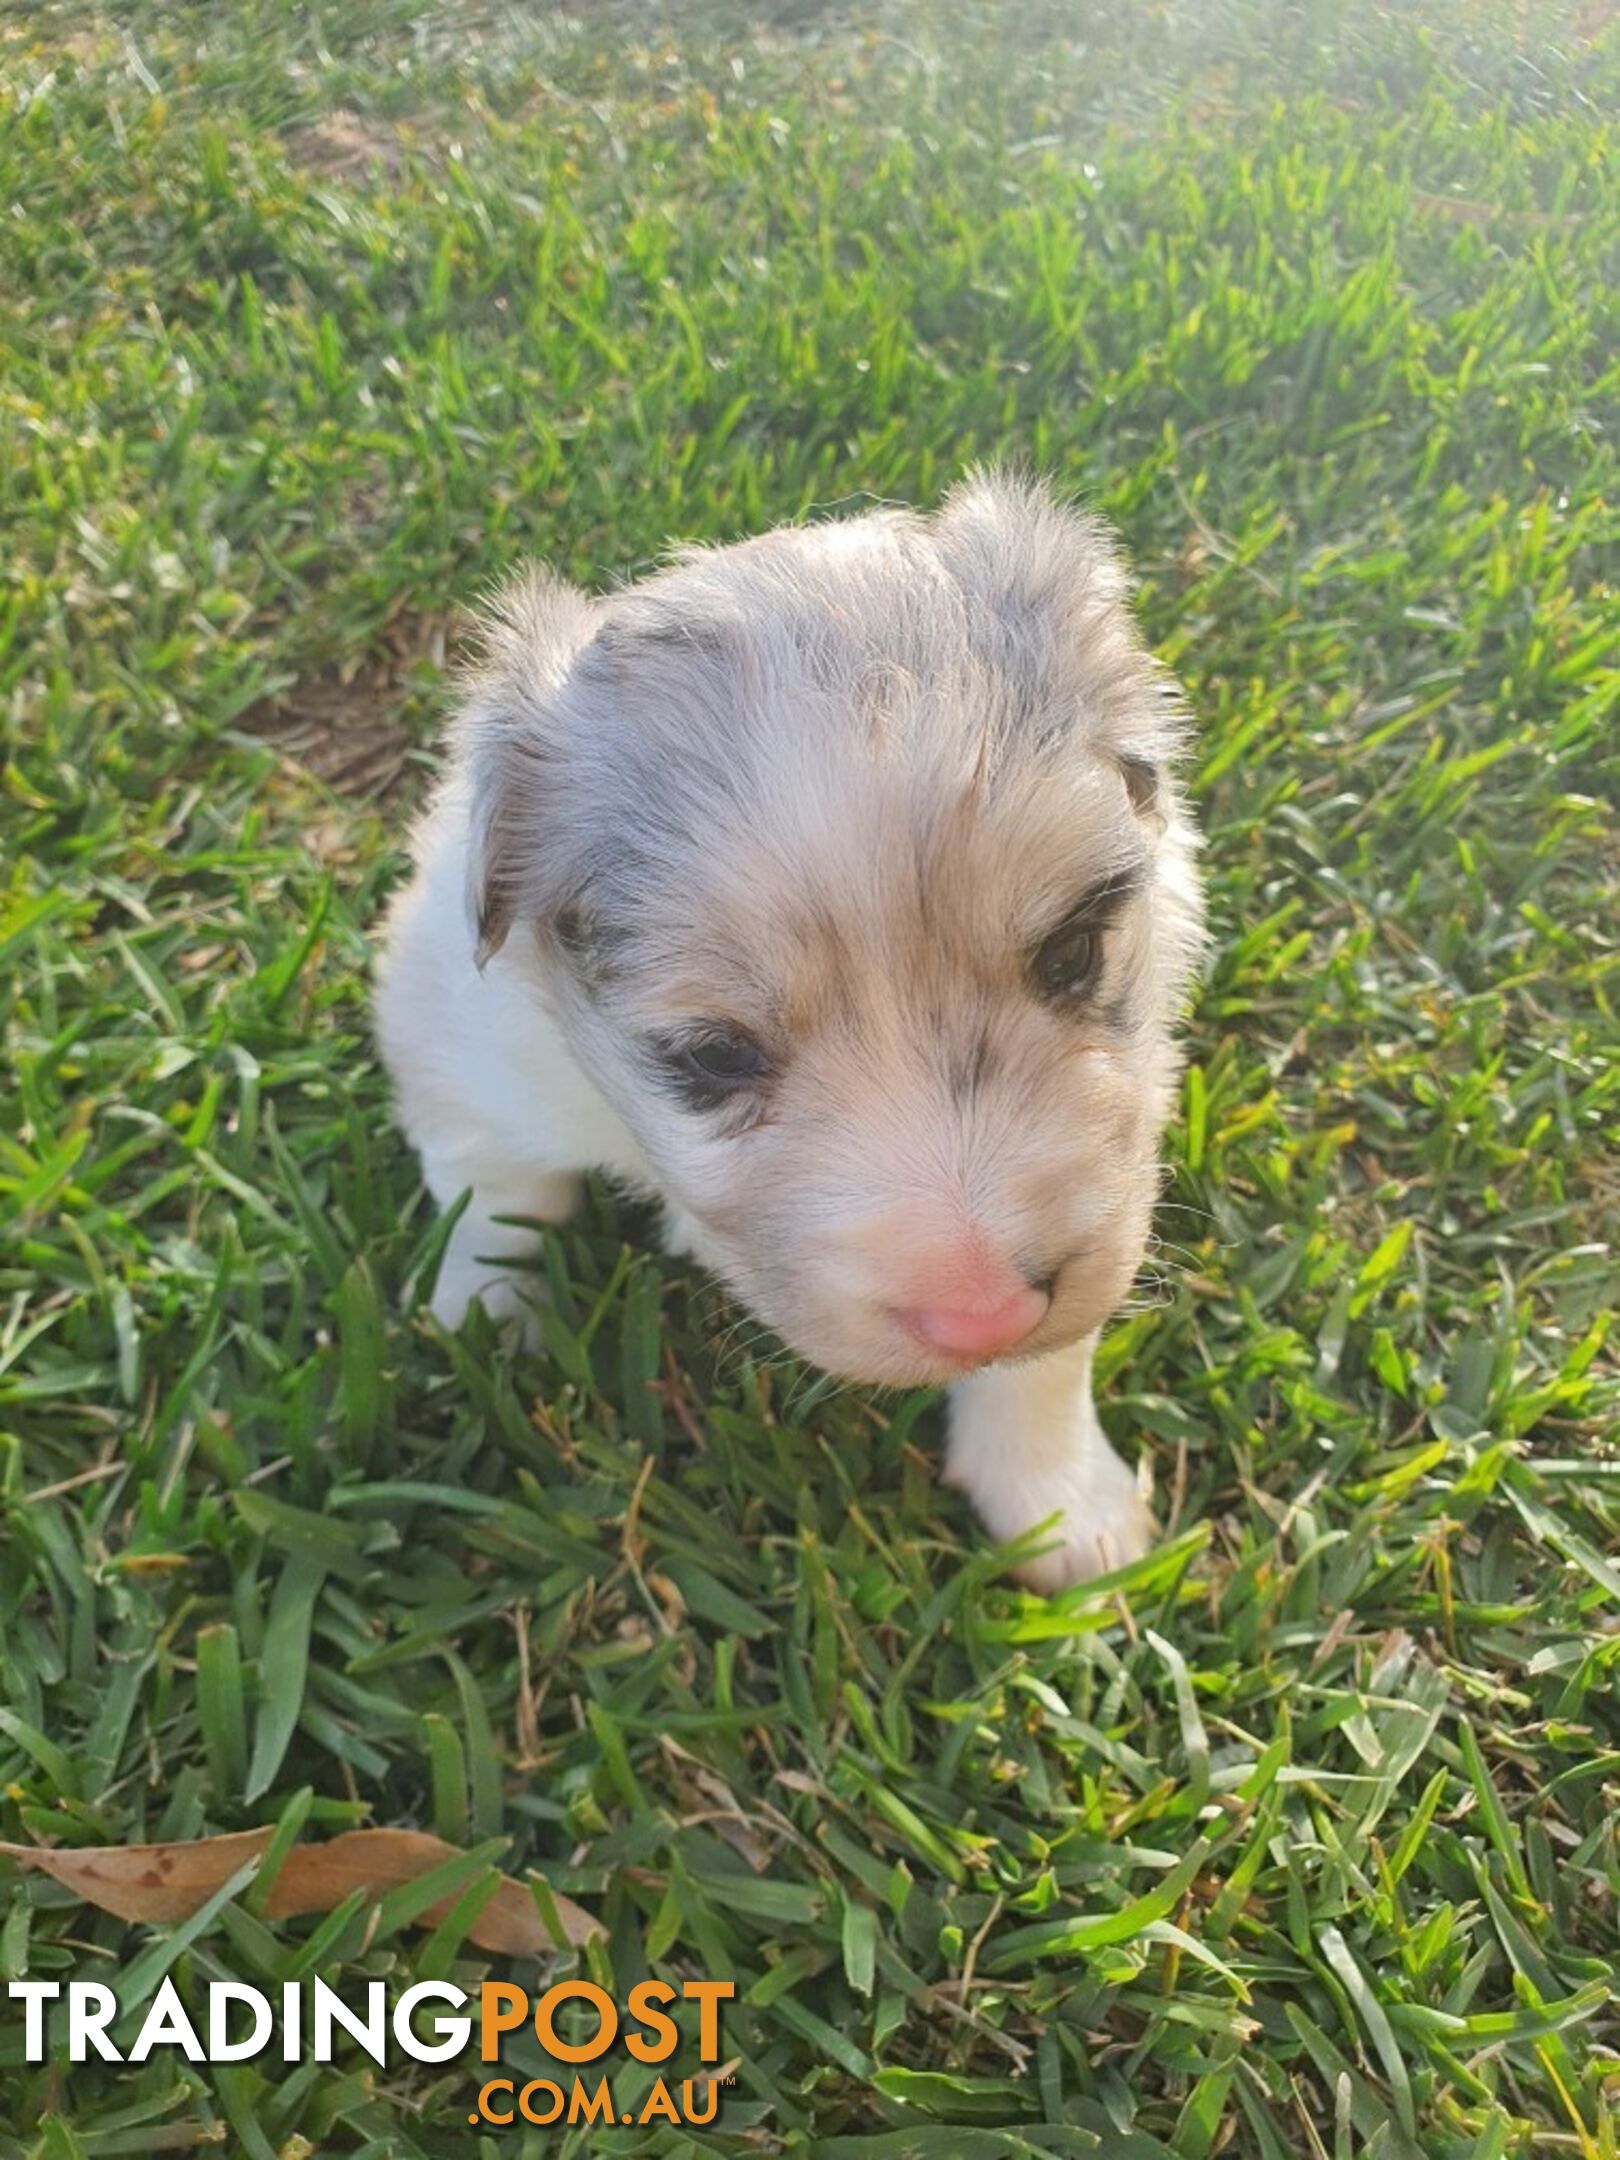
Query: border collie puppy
[835,890]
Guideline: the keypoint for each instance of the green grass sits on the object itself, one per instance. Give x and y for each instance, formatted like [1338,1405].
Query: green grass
[1298,1840]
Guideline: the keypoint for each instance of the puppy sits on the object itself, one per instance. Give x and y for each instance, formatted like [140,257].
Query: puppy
[834,889]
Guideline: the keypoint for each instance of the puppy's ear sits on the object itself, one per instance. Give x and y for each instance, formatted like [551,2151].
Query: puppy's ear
[1023,552]
[511,737]
[1046,586]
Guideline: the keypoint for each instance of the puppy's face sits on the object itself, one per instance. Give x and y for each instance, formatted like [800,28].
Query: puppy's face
[866,898]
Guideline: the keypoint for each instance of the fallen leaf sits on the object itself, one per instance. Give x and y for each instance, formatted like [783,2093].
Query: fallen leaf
[314,1878]
[164,1884]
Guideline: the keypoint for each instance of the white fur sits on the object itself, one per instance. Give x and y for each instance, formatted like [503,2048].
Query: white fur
[1025,1446]
[832,788]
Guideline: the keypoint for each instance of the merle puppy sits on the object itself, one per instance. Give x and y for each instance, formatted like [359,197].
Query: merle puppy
[834,889]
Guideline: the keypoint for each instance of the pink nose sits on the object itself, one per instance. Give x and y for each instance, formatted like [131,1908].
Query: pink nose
[977,1331]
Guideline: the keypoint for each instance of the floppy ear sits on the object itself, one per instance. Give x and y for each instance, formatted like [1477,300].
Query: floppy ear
[511,736]
[1023,552]
[1050,578]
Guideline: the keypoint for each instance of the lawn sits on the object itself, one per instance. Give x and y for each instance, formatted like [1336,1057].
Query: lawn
[1296,1839]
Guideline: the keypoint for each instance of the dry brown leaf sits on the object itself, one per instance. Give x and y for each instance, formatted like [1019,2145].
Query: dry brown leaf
[167,1883]
[314,1878]
[163,1883]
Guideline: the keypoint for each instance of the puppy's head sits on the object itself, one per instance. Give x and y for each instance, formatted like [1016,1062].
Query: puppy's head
[851,859]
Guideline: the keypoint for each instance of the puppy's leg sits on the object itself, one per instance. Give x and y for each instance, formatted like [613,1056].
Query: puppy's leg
[476,1259]
[1025,1444]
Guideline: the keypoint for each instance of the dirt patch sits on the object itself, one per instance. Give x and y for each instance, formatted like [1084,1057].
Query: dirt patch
[343,145]
[352,726]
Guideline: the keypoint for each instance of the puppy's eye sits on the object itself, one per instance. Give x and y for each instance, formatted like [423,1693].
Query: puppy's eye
[726,1056]
[1065,964]
[713,1064]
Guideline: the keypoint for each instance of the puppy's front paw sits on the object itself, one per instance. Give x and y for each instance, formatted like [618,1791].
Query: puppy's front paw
[1104,1525]
[1102,1520]
[504,1296]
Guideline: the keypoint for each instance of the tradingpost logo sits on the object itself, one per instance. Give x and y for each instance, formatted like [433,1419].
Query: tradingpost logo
[647,2030]
[302,2022]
